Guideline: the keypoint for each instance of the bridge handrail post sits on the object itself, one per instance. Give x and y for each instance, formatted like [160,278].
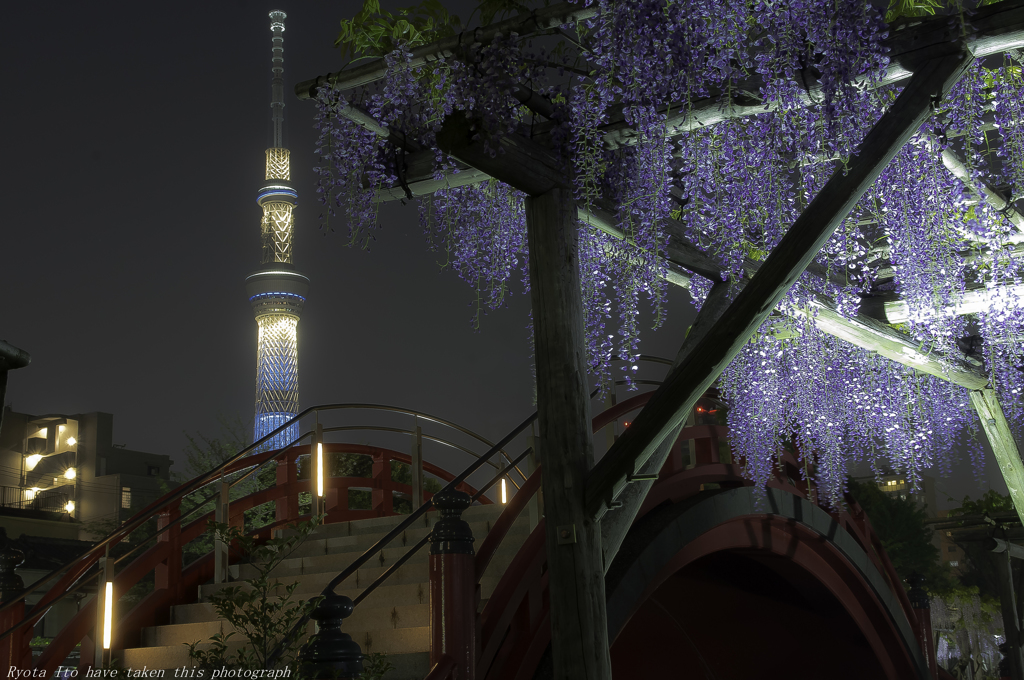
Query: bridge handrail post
[221,515]
[453,586]
[417,465]
[382,491]
[330,653]
[15,651]
[286,506]
[921,603]
[167,573]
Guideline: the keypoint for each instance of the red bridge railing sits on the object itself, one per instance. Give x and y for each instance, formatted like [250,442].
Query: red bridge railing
[177,583]
[514,628]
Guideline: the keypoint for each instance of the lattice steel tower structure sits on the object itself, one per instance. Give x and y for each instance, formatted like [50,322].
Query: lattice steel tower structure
[277,291]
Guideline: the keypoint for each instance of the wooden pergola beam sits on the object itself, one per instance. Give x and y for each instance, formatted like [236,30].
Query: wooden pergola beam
[890,308]
[993,29]
[1004,446]
[456,138]
[983,190]
[618,521]
[872,335]
[777,274]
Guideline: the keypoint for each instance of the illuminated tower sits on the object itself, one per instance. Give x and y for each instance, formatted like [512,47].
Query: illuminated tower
[276,291]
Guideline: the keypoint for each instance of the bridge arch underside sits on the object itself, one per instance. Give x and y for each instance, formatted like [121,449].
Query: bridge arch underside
[745,583]
[732,584]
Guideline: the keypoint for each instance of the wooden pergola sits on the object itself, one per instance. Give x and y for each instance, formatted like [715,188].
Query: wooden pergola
[590,507]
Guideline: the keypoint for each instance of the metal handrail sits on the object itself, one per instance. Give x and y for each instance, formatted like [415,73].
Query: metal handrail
[437,440]
[134,523]
[402,526]
[365,557]
[417,414]
[86,560]
[78,568]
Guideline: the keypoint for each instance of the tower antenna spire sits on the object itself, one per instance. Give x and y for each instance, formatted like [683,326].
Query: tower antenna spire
[277,18]
[276,290]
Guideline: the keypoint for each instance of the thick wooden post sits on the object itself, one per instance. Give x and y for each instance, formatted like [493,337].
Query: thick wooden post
[579,629]
[453,586]
[14,651]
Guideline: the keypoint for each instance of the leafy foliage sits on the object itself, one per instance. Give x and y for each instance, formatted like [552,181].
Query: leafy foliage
[900,525]
[259,608]
[976,568]
[374,32]
[375,666]
[992,502]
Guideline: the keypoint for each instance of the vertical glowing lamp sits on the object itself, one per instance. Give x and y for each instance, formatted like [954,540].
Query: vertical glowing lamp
[504,492]
[108,609]
[320,469]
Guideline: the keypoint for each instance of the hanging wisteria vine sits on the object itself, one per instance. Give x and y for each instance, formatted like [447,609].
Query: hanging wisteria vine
[798,85]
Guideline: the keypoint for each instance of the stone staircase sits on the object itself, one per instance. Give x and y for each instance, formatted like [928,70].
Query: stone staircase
[394,619]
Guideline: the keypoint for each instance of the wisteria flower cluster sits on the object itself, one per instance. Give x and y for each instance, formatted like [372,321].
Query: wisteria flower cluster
[617,94]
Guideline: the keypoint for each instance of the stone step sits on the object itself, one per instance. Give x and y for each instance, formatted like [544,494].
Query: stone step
[408,574]
[409,666]
[321,544]
[382,525]
[363,618]
[338,557]
[394,619]
[388,595]
[393,642]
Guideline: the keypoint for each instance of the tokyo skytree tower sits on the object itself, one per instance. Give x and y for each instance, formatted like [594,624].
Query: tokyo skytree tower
[277,291]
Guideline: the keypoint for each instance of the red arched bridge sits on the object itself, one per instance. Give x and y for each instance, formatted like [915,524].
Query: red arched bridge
[716,578]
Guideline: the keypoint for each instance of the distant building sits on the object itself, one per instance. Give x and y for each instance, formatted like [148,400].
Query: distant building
[59,472]
[898,486]
[950,553]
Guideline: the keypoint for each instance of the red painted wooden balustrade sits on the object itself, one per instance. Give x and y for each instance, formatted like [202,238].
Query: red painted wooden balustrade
[176,583]
[514,628]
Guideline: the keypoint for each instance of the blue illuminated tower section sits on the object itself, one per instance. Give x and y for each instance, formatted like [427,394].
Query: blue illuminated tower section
[277,291]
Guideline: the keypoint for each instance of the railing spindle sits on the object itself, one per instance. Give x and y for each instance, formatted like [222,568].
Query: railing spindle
[222,515]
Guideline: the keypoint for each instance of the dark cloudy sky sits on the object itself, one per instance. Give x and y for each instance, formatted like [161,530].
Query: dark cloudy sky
[134,140]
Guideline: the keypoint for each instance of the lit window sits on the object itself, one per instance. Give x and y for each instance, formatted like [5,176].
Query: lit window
[954,563]
[126,497]
[949,533]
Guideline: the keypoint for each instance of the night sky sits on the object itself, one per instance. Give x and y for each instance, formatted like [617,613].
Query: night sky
[135,137]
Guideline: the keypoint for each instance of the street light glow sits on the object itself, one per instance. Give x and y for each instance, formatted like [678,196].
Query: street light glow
[319,469]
